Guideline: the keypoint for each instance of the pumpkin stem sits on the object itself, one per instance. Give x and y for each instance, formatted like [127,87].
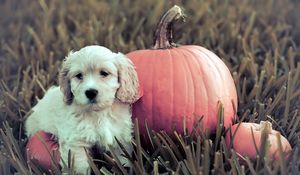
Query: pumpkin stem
[163,34]
[266,125]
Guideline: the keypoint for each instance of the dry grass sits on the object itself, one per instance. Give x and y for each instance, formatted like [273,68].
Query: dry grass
[258,40]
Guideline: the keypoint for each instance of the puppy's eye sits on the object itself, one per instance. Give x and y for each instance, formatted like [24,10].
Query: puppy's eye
[104,73]
[79,76]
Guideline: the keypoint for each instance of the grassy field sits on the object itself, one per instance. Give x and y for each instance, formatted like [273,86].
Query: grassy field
[258,40]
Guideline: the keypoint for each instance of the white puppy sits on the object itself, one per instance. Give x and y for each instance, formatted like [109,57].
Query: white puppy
[91,105]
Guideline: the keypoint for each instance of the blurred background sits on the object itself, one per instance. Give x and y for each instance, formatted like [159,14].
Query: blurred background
[258,40]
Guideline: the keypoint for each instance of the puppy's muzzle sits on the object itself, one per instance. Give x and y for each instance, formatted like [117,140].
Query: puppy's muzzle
[91,94]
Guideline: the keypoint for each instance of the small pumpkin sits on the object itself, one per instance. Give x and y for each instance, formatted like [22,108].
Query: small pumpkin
[247,140]
[41,147]
[181,82]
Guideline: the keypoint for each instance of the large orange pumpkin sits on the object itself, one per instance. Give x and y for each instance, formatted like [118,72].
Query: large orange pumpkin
[181,82]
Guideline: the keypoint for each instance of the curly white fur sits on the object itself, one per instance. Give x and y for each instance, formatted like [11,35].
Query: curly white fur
[77,120]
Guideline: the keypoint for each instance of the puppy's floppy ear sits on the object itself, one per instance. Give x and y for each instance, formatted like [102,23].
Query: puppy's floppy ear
[64,82]
[128,91]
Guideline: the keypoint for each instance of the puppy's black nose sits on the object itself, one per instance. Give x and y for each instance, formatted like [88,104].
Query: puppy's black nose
[91,94]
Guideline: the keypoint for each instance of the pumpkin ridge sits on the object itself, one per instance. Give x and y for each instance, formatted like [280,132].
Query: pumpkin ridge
[155,89]
[179,72]
[204,82]
[211,63]
[197,64]
[226,90]
[189,72]
[185,67]
[192,79]
[172,86]
[152,79]
[220,74]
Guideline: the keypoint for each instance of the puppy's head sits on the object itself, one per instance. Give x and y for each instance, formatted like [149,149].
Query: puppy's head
[94,77]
